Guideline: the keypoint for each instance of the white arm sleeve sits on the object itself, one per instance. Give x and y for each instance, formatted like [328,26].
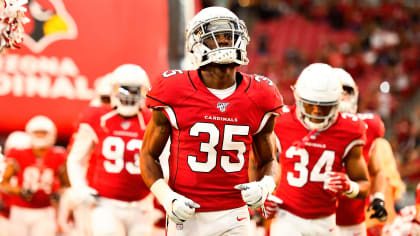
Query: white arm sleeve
[80,154]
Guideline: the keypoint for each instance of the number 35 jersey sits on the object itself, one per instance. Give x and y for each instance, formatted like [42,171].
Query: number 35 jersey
[37,175]
[114,166]
[211,137]
[303,164]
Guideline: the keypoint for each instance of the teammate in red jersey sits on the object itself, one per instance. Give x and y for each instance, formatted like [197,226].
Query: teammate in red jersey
[351,212]
[316,141]
[113,183]
[39,171]
[15,140]
[213,116]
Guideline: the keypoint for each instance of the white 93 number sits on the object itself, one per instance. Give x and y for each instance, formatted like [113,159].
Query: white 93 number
[326,160]
[113,149]
[227,145]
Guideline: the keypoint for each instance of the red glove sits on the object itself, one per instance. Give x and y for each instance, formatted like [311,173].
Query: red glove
[340,182]
[271,205]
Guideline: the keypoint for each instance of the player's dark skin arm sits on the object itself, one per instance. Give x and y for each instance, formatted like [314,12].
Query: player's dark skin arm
[155,137]
[263,147]
[8,174]
[357,171]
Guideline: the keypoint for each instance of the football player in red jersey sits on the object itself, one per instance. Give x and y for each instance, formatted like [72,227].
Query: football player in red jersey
[40,171]
[351,212]
[112,183]
[15,140]
[78,224]
[315,142]
[213,116]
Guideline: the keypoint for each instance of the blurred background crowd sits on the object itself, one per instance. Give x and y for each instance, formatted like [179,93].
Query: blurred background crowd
[377,42]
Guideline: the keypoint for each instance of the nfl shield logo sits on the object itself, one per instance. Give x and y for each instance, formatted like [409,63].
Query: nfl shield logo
[222,106]
[125,125]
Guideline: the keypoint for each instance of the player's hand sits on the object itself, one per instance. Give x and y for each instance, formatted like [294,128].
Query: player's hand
[271,206]
[26,194]
[180,208]
[378,206]
[255,193]
[341,183]
[84,196]
[177,207]
[338,182]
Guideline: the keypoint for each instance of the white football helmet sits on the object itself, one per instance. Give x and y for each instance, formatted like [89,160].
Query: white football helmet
[41,124]
[103,89]
[130,85]
[207,24]
[18,140]
[352,90]
[317,85]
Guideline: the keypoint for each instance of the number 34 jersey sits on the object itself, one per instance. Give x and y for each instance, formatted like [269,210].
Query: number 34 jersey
[211,137]
[114,166]
[303,164]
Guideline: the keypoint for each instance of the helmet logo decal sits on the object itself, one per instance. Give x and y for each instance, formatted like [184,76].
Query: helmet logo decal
[222,106]
[50,22]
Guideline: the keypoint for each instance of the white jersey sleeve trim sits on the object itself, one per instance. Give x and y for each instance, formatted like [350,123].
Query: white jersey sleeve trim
[264,120]
[171,114]
[351,145]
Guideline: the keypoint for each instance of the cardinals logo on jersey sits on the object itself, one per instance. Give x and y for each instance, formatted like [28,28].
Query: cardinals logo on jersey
[222,106]
[50,22]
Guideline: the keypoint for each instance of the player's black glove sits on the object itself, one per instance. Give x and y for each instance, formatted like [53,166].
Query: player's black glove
[378,205]
[26,194]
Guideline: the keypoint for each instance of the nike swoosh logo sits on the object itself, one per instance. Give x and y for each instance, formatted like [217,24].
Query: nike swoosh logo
[240,219]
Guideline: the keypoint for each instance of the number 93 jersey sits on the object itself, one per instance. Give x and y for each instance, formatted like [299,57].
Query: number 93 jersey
[114,166]
[211,137]
[304,163]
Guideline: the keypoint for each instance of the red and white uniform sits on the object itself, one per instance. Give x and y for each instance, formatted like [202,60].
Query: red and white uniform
[211,137]
[114,164]
[352,211]
[303,167]
[39,175]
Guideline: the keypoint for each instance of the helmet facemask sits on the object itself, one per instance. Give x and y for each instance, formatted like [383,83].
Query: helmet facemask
[130,85]
[203,43]
[129,99]
[327,112]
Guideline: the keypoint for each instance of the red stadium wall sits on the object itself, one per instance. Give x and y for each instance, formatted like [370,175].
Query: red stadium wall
[69,44]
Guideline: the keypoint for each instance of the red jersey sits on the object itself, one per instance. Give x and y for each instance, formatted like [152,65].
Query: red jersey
[352,211]
[418,194]
[114,166]
[37,174]
[303,167]
[211,137]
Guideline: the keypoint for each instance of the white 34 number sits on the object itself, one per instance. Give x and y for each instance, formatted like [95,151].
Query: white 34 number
[326,160]
[113,149]
[227,145]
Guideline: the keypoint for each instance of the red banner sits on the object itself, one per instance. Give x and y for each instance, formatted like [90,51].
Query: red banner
[69,44]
